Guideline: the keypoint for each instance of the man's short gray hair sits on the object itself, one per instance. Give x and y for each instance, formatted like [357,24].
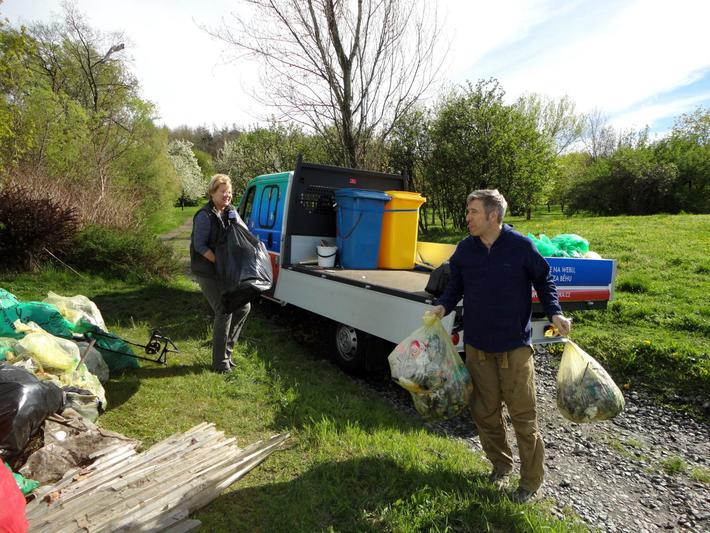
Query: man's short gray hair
[492,201]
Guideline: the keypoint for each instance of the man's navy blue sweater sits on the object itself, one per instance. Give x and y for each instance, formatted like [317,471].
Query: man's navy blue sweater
[496,285]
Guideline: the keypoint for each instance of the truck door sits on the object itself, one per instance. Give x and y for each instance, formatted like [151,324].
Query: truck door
[267,223]
[246,206]
[262,212]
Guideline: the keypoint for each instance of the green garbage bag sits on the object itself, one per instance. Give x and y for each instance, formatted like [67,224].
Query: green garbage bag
[543,245]
[7,299]
[26,485]
[109,344]
[7,346]
[46,316]
[573,245]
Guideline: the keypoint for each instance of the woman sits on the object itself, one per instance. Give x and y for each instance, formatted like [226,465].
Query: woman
[208,227]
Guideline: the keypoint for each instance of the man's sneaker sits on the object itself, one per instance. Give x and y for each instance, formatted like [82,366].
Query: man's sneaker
[499,479]
[521,495]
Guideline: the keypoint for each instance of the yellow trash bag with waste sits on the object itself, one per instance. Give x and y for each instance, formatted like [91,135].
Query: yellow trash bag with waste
[427,364]
[585,391]
[51,353]
[76,308]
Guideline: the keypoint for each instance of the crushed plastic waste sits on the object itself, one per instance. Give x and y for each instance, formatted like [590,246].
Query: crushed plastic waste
[427,365]
[585,391]
[77,309]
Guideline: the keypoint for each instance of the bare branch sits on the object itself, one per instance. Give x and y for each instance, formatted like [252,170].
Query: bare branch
[348,66]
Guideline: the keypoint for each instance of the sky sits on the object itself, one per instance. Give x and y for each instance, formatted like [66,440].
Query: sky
[640,62]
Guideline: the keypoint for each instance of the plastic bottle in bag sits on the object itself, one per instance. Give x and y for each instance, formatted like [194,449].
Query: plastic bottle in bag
[427,364]
[585,391]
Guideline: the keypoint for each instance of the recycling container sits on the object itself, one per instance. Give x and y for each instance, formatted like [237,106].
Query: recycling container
[400,224]
[359,226]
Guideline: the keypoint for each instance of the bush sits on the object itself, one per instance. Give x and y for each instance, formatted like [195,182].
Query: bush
[120,253]
[32,222]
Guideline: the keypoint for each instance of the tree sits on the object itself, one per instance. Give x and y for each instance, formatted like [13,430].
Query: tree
[599,137]
[354,66]
[193,186]
[555,119]
[82,63]
[632,181]
[15,49]
[688,148]
[569,170]
[478,142]
[266,150]
[408,151]
[72,119]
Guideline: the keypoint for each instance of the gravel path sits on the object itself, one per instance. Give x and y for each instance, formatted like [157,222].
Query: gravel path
[610,473]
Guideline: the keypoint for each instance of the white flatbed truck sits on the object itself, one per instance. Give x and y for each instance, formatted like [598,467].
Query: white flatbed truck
[293,212]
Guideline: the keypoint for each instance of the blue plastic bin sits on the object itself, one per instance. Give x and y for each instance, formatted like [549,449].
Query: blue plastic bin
[359,225]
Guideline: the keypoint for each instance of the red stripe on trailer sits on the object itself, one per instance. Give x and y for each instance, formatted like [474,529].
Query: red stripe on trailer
[584,295]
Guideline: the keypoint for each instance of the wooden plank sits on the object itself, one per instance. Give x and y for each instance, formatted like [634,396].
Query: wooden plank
[154,490]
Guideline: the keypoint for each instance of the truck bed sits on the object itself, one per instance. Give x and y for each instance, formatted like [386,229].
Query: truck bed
[408,284]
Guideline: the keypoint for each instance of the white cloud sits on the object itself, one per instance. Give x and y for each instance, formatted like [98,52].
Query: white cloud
[646,48]
[649,114]
[474,28]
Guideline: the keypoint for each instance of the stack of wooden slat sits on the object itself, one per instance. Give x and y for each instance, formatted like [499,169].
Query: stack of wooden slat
[152,491]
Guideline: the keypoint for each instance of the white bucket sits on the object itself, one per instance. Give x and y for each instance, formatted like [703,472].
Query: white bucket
[326,256]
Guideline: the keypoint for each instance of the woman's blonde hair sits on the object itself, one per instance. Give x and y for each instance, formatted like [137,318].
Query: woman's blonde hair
[216,181]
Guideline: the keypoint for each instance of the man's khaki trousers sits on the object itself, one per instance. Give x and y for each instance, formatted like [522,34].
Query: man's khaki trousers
[507,377]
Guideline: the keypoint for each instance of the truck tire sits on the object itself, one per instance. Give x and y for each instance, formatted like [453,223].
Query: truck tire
[349,348]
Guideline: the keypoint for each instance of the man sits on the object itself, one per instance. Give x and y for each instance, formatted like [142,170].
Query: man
[495,269]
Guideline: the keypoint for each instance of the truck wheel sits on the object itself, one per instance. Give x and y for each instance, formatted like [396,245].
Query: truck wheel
[349,348]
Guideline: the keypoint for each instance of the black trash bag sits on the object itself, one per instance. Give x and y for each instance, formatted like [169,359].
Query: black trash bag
[244,266]
[438,280]
[25,402]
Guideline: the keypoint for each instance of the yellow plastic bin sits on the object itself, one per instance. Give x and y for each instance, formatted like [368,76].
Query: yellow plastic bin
[400,222]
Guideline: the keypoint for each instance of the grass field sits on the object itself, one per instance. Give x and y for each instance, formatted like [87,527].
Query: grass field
[169,218]
[355,462]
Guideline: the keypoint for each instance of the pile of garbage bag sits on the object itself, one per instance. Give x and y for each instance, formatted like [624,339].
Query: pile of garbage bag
[427,365]
[585,391]
[46,369]
[563,245]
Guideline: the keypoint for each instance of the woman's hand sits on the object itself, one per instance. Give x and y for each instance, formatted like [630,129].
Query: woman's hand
[209,255]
